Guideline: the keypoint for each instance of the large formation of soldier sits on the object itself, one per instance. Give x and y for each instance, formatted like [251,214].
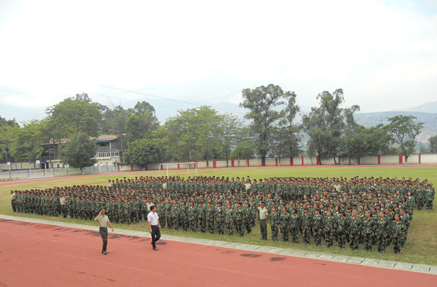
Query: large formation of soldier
[368,211]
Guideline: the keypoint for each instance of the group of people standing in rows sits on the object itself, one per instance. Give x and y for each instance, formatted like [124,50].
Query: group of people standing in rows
[369,211]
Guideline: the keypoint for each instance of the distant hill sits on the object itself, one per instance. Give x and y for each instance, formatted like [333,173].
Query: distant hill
[429,120]
[430,107]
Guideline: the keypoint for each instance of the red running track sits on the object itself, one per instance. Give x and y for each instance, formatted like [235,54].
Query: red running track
[46,255]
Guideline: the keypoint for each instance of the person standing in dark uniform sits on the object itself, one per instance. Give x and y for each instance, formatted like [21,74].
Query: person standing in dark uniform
[103,222]
[154,226]
[13,197]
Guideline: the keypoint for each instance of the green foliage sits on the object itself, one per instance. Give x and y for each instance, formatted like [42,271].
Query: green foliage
[194,133]
[363,141]
[27,141]
[114,122]
[79,151]
[74,115]
[325,125]
[404,130]
[246,149]
[232,131]
[134,129]
[141,122]
[261,103]
[286,137]
[433,144]
[143,152]
[6,140]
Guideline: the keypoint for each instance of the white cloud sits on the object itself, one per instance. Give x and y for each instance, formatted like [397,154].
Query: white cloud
[374,51]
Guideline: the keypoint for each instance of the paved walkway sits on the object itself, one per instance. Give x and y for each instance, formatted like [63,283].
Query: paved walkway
[428,269]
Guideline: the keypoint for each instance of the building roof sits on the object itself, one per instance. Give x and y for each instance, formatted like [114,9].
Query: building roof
[101,138]
[106,138]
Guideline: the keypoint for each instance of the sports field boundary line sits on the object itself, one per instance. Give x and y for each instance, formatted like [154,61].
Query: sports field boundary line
[394,265]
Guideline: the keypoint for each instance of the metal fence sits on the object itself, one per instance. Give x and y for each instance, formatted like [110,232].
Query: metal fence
[52,172]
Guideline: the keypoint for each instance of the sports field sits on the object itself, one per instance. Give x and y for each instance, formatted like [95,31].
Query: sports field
[421,246]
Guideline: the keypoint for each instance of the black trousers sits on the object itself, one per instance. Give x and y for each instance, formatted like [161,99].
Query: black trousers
[156,234]
[13,205]
[63,211]
[104,235]
[263,227]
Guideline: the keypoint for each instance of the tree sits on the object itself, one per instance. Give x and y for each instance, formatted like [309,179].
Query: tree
[325,125]
[193,133]
[78,151]
[141,122]
[246,149]
[134,129]
[404,131]
[209,130]
[115,123]
[433,144]
[350,143]
[27,141]
[179,137]
[287,136]
[232,130]
[75,115]
[366,141]
[143,152]
[261,103]
[6,128]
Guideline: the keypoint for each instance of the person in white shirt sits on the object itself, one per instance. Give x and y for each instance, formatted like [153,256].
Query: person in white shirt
[154,226]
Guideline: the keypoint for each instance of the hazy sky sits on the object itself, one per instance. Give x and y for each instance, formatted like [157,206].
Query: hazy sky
[382,53]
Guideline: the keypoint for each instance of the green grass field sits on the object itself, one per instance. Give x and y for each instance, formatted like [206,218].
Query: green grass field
[421,246]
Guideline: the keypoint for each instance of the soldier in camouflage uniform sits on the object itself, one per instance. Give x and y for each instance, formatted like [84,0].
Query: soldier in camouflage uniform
[136,210]
[192,217]
[307,225]
[184,216]
[175,214]
[398,233]
[169,213]
[248,218]
[294,226]
[368,230]
[285,219]
[317,228]
[220,218]
[115,210]
[381,231]
[275,220]
[201,213]
[420,197]
[161,210]
[229,219]
[406,220]
[341,227]
[328,228]
[128,211]
[429,196]
[209,215]
[239,219]
[354,230]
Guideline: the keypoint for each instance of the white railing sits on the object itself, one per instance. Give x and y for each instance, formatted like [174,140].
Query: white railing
[112,153]
[52,172]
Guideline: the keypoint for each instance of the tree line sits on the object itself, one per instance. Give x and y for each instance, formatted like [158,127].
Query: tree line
[270,129]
